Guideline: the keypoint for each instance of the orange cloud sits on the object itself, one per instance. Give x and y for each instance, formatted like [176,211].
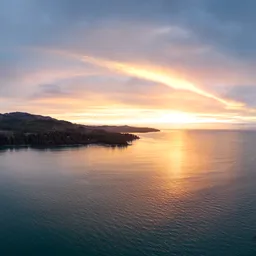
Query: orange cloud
[161,76]
[154,74]
[188,103]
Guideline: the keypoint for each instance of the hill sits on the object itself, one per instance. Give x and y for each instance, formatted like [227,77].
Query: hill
[19,128]
[25,122]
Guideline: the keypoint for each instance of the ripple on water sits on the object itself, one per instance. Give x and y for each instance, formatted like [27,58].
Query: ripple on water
[171,193]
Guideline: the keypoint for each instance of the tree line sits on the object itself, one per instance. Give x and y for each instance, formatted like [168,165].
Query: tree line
[57,138]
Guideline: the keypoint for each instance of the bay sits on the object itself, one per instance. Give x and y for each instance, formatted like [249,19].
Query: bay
[170,193]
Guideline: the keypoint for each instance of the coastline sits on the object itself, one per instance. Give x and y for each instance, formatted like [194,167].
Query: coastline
[18,129]
[65,139]
[16,146]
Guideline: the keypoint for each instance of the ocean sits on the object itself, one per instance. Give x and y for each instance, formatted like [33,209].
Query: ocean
[188,193]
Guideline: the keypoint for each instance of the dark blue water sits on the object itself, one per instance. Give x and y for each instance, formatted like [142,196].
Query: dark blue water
[171,193]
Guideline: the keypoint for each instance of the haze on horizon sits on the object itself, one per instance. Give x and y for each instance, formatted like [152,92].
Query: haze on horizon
[147,62]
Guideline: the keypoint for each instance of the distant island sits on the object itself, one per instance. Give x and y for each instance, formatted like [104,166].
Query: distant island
[24,129]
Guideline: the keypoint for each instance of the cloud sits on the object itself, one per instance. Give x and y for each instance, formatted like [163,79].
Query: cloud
[155,75]
[200,52]
[49,90]
[244,93]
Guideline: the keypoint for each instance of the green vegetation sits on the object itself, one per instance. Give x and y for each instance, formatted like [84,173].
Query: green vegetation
[18,129]
[64,138]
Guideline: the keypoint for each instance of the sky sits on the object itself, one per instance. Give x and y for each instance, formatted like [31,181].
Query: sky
[140,62]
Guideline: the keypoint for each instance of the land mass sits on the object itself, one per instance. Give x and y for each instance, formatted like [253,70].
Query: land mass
[24,129]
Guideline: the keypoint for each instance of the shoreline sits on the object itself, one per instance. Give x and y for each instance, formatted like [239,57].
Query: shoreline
[65,139]
[63,146]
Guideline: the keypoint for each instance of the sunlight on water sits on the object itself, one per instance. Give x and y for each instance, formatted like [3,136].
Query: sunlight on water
[171,193]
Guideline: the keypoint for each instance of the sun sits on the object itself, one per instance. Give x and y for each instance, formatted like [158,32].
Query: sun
[179,118]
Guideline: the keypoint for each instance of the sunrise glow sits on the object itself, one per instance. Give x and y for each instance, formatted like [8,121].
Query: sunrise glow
[111,77]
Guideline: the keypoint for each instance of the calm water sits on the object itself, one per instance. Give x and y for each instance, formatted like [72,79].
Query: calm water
[171,193]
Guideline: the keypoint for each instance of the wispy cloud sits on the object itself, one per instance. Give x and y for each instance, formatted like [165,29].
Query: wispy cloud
[157,75]
[169,58]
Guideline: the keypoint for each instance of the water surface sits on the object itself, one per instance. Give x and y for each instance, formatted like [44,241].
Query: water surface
[171,193]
